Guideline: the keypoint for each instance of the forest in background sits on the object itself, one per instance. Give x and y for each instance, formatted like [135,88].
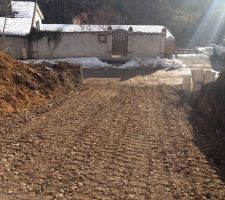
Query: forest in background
[184,18]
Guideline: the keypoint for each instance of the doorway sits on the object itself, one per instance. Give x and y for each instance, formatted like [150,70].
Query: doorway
[119,43]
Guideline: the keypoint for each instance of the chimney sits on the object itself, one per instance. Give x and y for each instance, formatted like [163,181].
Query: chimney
[5,8]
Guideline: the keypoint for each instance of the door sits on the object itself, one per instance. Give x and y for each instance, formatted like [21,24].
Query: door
[120,42]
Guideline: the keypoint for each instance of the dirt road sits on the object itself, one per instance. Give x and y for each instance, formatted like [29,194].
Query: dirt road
[112,141]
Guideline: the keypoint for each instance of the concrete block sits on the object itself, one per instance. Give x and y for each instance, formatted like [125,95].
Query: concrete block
[209,76]
[187,83]
[197,75]
[197,86]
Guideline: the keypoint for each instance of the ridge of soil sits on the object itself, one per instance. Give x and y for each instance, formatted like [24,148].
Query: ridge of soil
[24,86]
[210,102]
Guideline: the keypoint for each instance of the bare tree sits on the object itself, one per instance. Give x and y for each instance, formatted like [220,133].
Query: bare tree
[7,5]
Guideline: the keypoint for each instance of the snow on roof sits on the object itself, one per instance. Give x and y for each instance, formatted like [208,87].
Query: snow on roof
[102,28]
[16,26]
[23,9]
[21,23]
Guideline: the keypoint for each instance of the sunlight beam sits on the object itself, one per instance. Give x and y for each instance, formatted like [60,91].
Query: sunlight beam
[203,27]
[218,27]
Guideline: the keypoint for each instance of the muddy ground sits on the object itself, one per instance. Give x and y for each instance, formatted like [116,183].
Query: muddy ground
[119,138]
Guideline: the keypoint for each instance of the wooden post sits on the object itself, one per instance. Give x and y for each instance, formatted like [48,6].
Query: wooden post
[7,7]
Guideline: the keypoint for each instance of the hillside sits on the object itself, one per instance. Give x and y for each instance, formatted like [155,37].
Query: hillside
[182,17]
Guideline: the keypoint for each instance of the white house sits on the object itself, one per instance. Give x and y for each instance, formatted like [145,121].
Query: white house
[27,37]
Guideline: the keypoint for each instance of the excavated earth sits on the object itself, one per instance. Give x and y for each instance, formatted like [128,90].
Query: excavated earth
[25,86]
[113,140]
[210,102]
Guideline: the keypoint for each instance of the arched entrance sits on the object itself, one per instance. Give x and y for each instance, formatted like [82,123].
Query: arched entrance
[119,42]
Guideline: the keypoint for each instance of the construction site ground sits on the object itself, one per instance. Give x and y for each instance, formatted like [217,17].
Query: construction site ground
[127,134]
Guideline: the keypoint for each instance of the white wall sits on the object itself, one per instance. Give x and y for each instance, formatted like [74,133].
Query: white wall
[146,45]
[15,46]
[69,45]
[37,17]
[62,45]
[170,47]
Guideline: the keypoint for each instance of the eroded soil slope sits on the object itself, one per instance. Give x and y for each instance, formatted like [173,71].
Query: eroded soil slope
[112,141]
[210,102]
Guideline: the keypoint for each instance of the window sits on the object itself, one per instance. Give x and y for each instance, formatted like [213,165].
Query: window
[102,37]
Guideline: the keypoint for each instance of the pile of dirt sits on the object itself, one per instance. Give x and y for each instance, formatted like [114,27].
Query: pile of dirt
[23,86]
[211,102]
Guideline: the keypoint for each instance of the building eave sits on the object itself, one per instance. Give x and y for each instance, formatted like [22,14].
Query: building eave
[39,11]
[13,36]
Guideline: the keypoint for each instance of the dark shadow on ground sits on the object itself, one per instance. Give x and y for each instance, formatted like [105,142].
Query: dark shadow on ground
[207,136]
[211,142]
[217,63]
[209,139]
[121,74]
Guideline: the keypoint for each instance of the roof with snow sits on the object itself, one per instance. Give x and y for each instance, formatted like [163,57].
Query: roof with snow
[23,9]
[21,22]
[23,13]
[103,28]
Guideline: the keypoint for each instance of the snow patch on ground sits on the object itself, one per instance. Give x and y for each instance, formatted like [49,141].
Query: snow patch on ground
[95,63]
[205,50]
[219,50]
[195,60]
[147,62]
[87,62]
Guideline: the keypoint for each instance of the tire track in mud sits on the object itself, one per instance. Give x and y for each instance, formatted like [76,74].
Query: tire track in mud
[111,142]
[48,133]
[117,158]
[179,158]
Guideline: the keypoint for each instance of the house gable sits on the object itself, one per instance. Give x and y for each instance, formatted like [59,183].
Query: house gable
[25,15]
[37,18]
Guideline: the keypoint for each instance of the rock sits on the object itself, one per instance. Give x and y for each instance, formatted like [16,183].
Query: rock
[62,191]
[59,196]
[80,184]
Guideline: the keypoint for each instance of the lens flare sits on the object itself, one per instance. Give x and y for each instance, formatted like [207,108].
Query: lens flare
[211,26]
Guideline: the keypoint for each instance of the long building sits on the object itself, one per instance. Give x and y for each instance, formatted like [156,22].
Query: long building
[24,35]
